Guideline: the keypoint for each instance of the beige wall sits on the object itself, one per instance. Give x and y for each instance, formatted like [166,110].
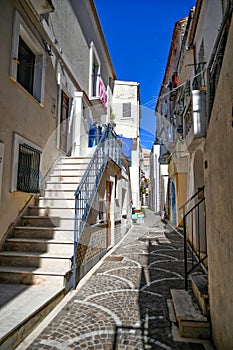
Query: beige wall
[181,188]
[20,113]
[219,204]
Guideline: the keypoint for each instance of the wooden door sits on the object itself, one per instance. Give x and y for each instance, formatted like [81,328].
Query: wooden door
[64,121]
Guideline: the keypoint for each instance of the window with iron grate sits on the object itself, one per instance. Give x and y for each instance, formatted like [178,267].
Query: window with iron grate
[28,169]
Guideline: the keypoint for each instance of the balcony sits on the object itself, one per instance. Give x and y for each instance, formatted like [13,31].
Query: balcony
[41,6]
[99,101]
[98,108]
[195,120]
[164,156]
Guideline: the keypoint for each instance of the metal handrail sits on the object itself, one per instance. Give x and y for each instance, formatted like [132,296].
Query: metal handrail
[109,147]
[197,255]
[193,196]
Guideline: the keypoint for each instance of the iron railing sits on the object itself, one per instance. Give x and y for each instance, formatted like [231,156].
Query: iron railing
[28,169]
[194,221]
[108,148]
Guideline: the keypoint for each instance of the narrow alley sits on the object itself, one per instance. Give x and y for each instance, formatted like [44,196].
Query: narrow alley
[123,302]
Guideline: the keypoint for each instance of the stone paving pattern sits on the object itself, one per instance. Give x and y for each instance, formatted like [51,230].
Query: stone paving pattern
[123,305]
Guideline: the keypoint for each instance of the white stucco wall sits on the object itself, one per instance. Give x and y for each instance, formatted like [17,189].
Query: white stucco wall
[128,92]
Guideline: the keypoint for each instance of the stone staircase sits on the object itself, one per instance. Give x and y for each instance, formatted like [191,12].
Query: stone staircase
[35,266]
[189,310]
[41,249]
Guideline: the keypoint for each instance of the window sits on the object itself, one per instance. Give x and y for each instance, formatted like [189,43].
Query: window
[126,113]
[94,72]
[27,59]
[26,64]
[95,76]
[28,169]
[25,165]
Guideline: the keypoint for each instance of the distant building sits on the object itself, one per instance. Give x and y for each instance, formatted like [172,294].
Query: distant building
[154,187]
[125,116]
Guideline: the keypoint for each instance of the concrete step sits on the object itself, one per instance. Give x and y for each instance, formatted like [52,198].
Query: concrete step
[31,275]
[56,202]
[62,247]
[41,221]
[74,160]
[71,165]
[199,285]
[36,260]
[60,193]
[58,185]
[66,223]
[70,171]
[60,202]
[23,308]
[191,323]
[51,212]
[44,233]
[64,178]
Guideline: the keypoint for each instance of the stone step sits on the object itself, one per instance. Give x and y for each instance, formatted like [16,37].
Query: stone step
[58,185]
[69,171]
[74,160]
[56,202]
[41,221]
[66,223]
[44,233]
[51,212]
[28,306]
[30,275]
[71,165]
[62,247]
[64,178]
[61,193]
[64,194]
[199,285]
[191,323]
[36,260]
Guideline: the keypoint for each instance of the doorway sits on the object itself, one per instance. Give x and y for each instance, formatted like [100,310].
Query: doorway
[109,195]
[200,219]
[64,122]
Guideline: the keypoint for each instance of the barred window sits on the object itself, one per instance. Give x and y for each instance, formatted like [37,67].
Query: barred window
[28,169]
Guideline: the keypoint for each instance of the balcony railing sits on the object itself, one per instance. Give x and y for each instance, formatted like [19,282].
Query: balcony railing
[195,119]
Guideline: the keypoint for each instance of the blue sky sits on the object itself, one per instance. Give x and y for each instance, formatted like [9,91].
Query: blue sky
[138,35]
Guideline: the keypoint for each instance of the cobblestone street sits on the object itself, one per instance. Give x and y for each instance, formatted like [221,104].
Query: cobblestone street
[123,305]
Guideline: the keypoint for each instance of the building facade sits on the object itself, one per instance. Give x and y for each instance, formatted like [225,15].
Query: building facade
[200,161]
[57,84]
[154,187]
[125,115]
